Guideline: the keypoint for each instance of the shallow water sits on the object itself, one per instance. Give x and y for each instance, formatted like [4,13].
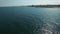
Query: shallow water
[29,20]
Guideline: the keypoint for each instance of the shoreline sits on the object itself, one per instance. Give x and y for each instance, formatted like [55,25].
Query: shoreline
[45,6]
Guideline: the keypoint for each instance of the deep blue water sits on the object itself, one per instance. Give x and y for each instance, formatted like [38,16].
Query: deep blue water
[29,20]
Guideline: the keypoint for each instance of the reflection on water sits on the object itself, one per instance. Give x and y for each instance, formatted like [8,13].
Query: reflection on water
[28,20]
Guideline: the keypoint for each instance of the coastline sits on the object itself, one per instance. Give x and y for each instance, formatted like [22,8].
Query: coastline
[45,6]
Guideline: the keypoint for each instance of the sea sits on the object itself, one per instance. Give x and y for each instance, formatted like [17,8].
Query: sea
[29,20]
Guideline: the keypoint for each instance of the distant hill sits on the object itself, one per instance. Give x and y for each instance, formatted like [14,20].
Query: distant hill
[45,6]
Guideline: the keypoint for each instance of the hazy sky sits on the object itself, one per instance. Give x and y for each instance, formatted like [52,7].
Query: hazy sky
[27,2]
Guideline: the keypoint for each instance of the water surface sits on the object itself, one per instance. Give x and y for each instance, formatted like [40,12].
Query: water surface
[29,20]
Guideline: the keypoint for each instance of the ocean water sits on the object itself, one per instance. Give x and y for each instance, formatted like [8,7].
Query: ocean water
[29,20]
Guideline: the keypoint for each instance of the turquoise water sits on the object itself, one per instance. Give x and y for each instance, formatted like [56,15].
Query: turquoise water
[29,20]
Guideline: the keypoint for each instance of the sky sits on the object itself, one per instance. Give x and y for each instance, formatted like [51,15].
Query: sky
[27,2]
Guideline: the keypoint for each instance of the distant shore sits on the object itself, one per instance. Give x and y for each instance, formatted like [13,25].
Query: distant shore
[45,6]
